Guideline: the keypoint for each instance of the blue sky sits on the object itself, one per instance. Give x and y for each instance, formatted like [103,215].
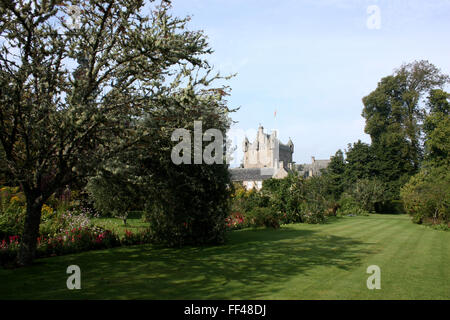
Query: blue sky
[314,60]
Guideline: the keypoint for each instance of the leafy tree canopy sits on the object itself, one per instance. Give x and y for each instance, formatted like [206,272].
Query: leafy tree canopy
[72,94]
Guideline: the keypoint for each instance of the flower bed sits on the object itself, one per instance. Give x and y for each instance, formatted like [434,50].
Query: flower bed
[70,241]
[236,221]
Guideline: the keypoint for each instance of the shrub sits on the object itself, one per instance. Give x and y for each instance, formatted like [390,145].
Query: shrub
[246,200]
[390,206]
[441,226]
[426,195]
[190,205]
[236,221]
[12,212]
[312,212]
[63,220]
[285,196]
[264,217]
[8,250]
[131,238]
[349,206]
[367,193]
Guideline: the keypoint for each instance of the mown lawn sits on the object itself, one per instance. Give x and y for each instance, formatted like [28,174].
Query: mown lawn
[327,261]
[134,225]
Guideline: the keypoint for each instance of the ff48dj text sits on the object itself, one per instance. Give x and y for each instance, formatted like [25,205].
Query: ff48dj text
[235,309]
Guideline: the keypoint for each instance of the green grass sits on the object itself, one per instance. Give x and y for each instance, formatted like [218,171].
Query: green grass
[327,261]
[117,225]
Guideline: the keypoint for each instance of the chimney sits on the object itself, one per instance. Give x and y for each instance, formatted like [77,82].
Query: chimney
[313,159]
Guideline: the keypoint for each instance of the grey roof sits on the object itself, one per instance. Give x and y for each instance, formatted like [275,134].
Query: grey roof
[251,174]
[318,164]
[315,167]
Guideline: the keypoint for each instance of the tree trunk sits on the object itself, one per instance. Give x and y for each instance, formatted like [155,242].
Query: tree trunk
[28,243]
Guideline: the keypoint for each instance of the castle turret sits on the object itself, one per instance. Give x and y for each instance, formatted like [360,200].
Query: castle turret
[291,145]
[245,144]
[267,151]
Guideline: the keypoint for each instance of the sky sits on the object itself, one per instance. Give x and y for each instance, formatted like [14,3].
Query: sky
[313,61]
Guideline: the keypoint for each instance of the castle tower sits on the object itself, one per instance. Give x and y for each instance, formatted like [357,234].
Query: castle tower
[267,151]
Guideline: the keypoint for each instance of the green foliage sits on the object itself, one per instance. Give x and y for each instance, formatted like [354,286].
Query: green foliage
[190,206]
[140,237]
[59,125]
[289,200]
[184,203]
[367,193]
[441,226]
[393,113]
[113,194]
[312,213]
[11,221]
[390,206]
[12,212]
[71,241]
[437,129]
[359,163]
[299,200]
[63,220]
[263,217]
[438,102]
[237,221]
[349,206]
[246,200]
[426,195]
[5,175]
[285,196]
[335,173]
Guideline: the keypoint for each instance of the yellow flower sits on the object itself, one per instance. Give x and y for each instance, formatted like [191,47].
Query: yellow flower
[46,209]
[14,199]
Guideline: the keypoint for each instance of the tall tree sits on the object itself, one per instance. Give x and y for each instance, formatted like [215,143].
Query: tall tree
[394,111]
[184,203]
[394,114]
[70,93]
[359,163]
[335,172]
[437,129]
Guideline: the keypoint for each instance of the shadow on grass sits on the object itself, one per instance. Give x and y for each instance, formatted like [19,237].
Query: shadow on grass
[253,264]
